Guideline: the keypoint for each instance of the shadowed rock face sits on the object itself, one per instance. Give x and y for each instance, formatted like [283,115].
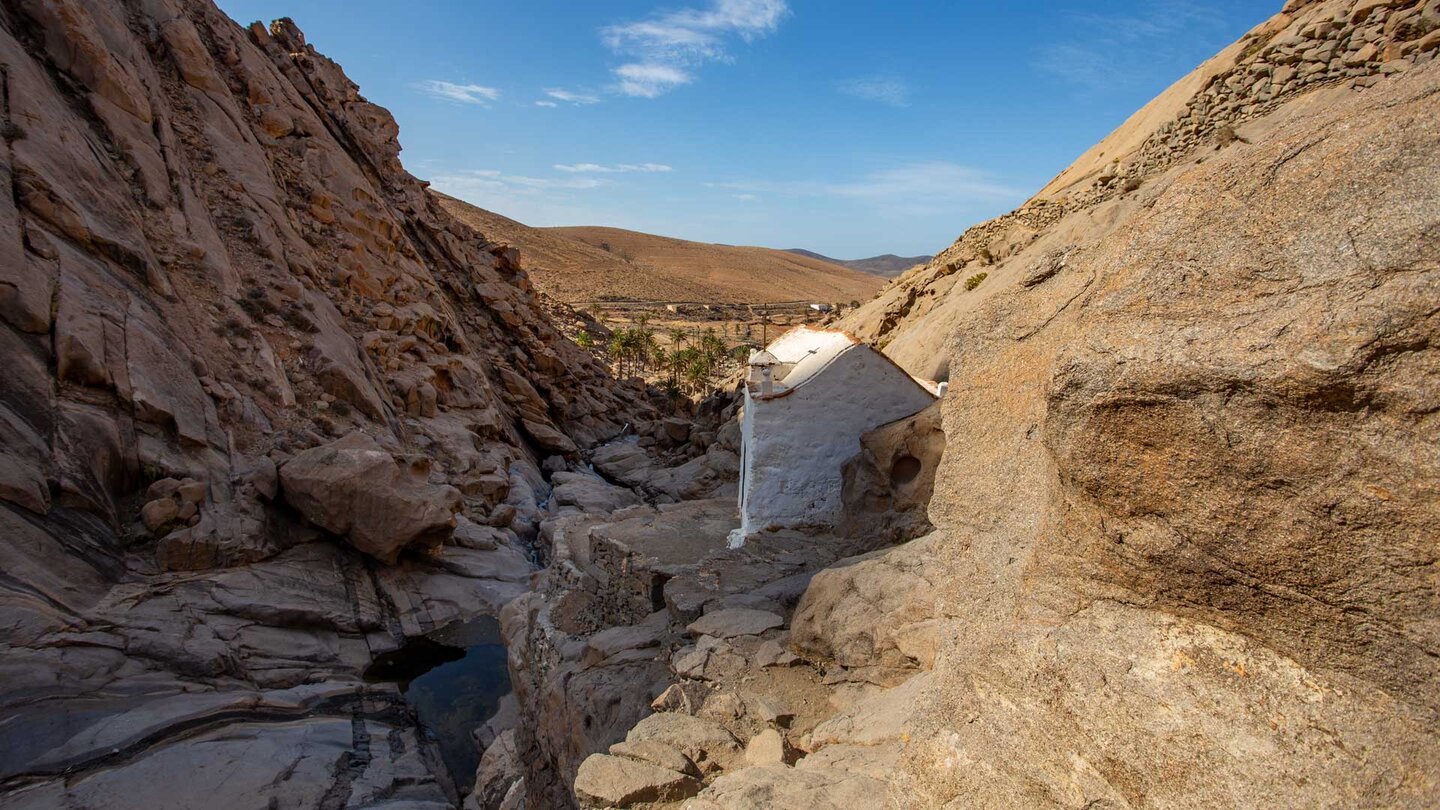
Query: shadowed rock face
[211,263]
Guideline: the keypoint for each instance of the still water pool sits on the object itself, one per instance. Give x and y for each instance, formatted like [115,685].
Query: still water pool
[454,677]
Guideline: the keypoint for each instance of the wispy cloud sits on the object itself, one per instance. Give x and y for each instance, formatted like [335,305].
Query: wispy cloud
[535,200]
[485,182]
[597,168]
[650,79]
[570,96]
[461,93]
[746,197]
[915,188]
[665,50]
[546,104]
[885,91]
[1116,51]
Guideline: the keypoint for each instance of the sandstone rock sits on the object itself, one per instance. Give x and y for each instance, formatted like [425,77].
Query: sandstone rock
[707,744]
[609,781]
[499,770]
[1113,521]
[355,489]
[732,622]
[191,492]
[768,748]
[162,488]
[782,786]
[578,492]
[159,513]
[608,642]
[210,234]
[771,710]
[772,654]
[657,754]
[871,610]
[685,697]
[722,707]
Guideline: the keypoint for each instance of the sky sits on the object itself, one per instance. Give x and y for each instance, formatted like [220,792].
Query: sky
[847,127]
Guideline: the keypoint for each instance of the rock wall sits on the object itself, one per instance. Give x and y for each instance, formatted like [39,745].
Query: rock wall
[212,263]
[1188,539]
[1184,551]
[1310,45]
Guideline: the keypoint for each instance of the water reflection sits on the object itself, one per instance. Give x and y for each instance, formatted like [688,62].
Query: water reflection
[454,677]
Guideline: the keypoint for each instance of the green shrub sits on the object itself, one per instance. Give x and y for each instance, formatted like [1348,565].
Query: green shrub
[974,281]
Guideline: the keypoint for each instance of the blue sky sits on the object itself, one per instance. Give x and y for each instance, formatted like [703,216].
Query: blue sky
[847,127]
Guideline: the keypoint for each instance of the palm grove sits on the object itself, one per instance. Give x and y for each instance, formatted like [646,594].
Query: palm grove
[692,364]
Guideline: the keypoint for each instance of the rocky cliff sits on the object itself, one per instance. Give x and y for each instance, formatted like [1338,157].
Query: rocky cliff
[1185,550]
[212,265]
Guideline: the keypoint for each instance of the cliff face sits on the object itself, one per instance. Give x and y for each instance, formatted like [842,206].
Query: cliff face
[212,260]
[1185,550]
[1186,514]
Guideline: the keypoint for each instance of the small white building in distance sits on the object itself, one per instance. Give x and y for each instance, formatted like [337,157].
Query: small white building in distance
[808,398]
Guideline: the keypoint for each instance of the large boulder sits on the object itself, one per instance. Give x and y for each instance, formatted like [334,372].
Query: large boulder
[610,781]
[353,488]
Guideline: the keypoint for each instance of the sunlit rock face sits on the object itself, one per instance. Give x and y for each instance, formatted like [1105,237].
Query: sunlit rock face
[1186,500]
[1184,551]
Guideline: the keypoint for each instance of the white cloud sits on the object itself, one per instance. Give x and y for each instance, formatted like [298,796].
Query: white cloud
[490,180]
[650,79]
[546,104]
[462,93]
[885,91]
[746,197]
[596,168]
[571,97]
[1113,51]
[665,49]
[917,188]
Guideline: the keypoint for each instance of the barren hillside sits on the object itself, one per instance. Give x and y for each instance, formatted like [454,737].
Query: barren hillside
[584,264]
[886,265]
[725,273]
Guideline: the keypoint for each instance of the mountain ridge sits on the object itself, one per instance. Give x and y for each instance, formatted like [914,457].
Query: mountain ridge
[581,264]
[885,265]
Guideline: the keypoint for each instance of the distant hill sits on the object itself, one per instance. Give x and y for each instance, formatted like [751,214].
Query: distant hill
[887,265]
[581,264]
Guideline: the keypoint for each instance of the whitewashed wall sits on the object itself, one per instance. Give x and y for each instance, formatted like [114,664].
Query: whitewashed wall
[794,445]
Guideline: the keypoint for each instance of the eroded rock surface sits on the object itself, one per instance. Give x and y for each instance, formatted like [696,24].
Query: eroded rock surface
[212,263]
[1184,518]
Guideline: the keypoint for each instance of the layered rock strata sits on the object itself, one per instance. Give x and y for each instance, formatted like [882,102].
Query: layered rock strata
[212,264]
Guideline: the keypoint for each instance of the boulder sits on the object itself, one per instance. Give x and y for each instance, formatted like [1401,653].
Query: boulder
[608,642]
[707,744]
[611,781]
[731,622]
[687,697]
[771,654]
[656,753]
[159,513]
[353,488]
[769,748]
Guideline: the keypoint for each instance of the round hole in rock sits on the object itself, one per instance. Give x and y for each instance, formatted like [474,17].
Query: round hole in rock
[904,470]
